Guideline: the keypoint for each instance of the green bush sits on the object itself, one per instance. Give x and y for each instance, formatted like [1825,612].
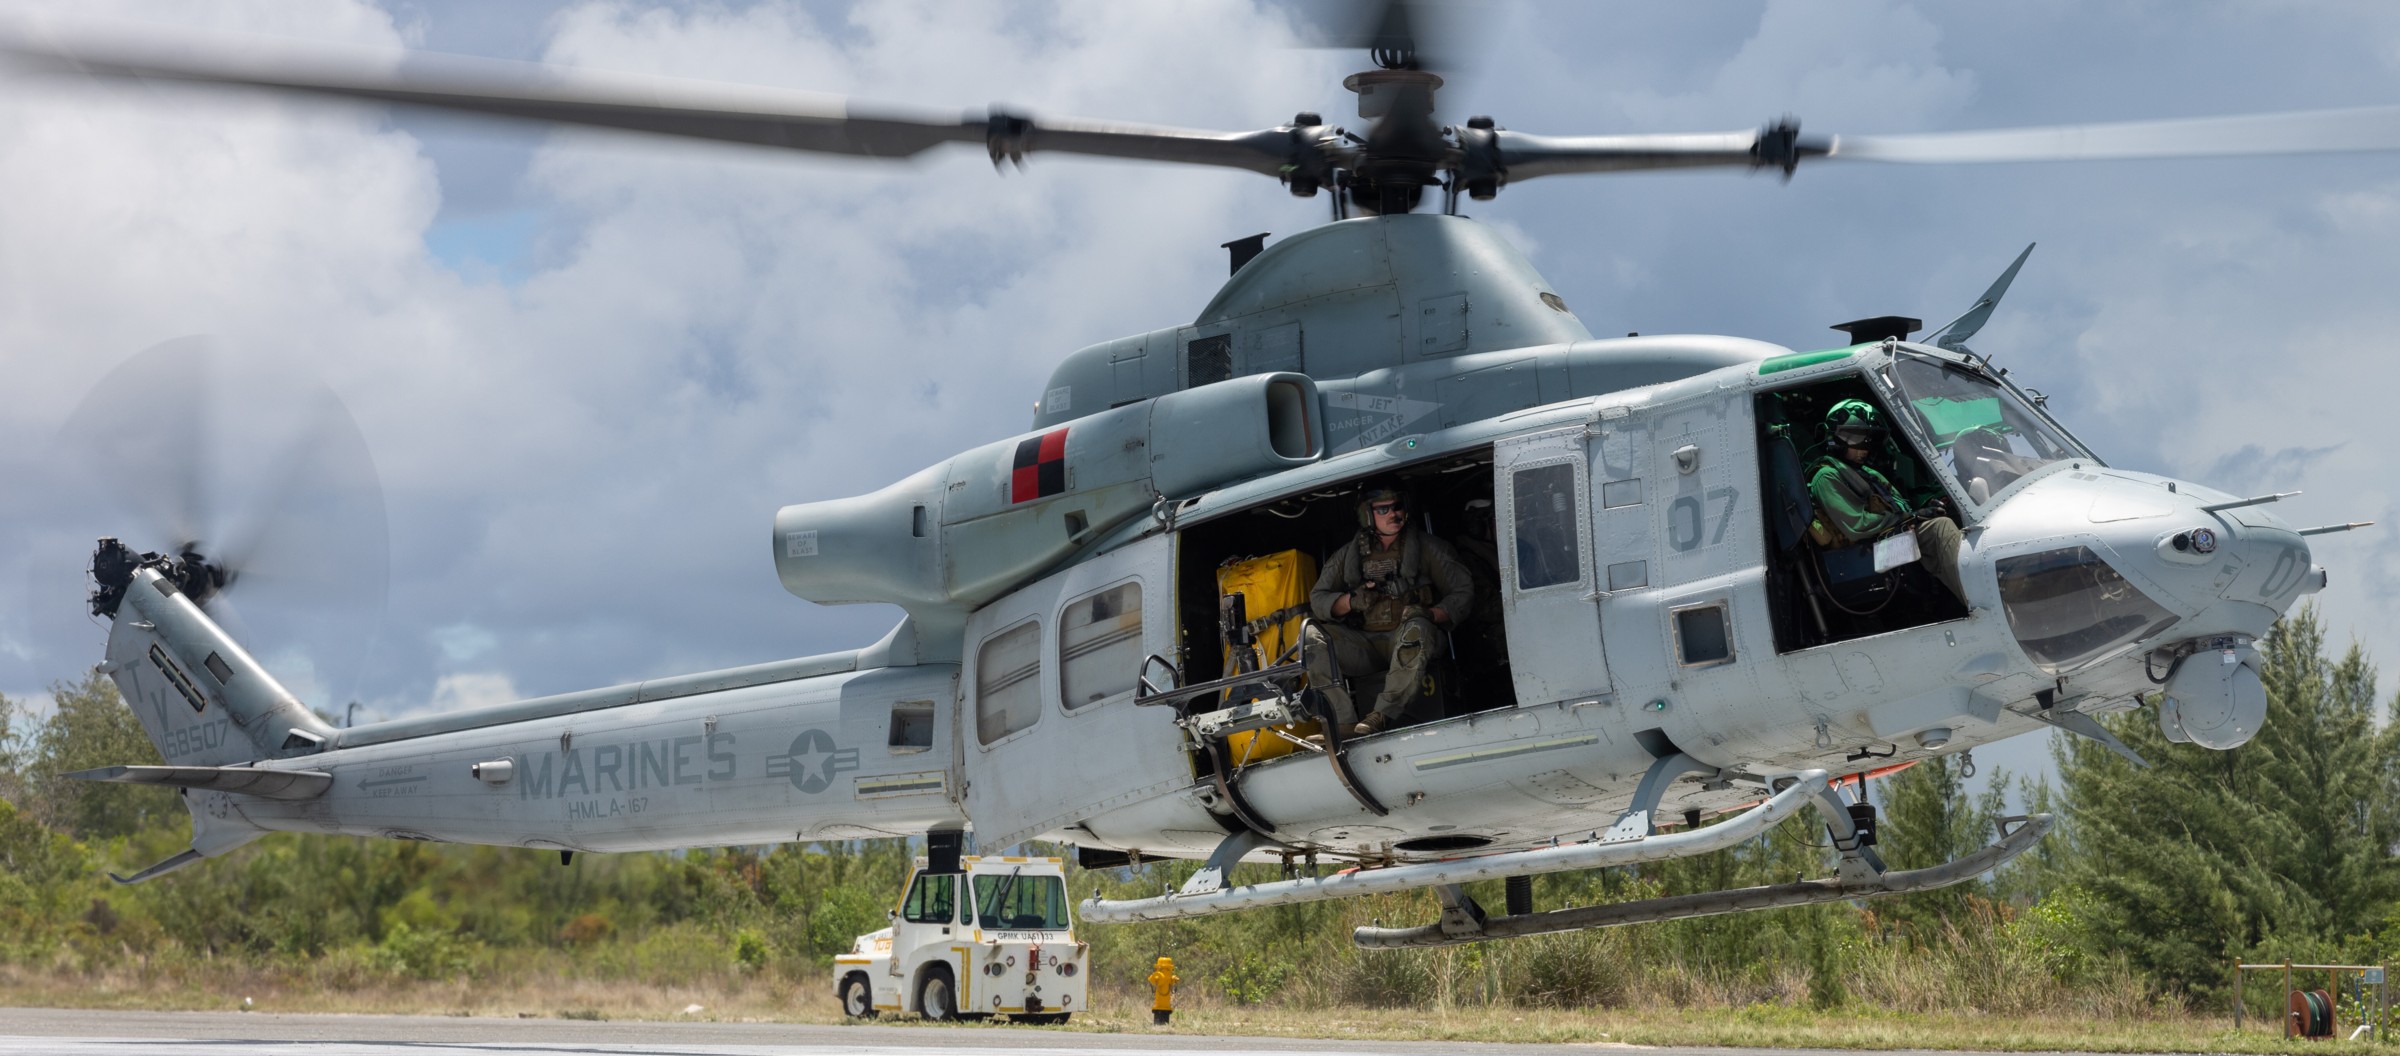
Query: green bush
[424,954]
[587,929]
[1576,970]
[749,950]
[1252,979]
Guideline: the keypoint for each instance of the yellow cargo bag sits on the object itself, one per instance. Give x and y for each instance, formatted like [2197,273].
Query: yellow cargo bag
[1274,591]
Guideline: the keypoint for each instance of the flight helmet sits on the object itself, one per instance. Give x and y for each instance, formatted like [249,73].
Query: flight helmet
[1375,494]
[1853,423]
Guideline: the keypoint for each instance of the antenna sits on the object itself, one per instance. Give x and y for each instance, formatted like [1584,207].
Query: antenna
[1954,336]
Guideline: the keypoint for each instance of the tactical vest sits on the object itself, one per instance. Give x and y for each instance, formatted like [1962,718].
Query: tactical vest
[1401,570]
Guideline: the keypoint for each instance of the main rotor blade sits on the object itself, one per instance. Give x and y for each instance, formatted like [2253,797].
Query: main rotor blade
[1267,151]
[782,118]
[1523,156]
[2297,132]
[1520,156]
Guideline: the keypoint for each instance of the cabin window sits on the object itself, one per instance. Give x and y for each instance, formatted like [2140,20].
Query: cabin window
[1008,682]
[933,899]
[1702,637]
[912,726]
[1100,645]
[1543,501]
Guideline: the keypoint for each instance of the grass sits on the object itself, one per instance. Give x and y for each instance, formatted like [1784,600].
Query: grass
[731,996]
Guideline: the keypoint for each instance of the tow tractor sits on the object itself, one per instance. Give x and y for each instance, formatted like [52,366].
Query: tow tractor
[993,936]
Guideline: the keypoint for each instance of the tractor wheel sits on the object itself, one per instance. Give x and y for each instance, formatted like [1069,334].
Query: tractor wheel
[937,996]
[857,1001]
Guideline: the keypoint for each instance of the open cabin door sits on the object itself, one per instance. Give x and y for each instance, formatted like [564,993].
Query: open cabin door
[1543,486]
[1050,731]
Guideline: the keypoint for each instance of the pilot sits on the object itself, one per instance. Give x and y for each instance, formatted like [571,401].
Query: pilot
[1856,503]
[1381,604]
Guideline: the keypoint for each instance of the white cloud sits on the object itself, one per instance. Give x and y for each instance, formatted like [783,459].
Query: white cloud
[471,689]
[460,642]
[581,463]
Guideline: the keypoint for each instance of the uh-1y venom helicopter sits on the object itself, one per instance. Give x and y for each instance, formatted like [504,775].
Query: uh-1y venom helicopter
[1677,644]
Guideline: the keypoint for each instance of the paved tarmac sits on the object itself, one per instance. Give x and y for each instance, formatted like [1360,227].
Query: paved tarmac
[75,1032]
[67,1032]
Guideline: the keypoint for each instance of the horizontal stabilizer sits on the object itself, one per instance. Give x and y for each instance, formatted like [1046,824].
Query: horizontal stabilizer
[240,780]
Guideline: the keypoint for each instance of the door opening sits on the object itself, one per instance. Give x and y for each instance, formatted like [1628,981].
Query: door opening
[1824,583]
[1449,499]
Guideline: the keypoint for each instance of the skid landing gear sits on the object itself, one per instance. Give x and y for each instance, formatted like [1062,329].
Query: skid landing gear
[1796,791]
[1859,875]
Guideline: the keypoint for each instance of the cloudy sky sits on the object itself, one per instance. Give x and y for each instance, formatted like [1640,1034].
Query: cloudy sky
[589,369]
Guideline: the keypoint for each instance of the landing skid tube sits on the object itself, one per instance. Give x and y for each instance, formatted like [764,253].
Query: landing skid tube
[1463,921]
[1801,790]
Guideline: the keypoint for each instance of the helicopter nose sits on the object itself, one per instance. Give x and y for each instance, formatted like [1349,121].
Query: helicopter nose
[2099,564]
[2224,559]
[2107,553]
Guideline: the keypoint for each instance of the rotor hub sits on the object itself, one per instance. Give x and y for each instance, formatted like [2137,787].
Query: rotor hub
[1379,90]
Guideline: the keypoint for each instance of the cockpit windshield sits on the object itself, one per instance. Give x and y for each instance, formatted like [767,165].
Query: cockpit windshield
[1984,435]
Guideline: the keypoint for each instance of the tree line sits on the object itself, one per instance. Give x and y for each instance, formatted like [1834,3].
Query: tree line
[2150,888]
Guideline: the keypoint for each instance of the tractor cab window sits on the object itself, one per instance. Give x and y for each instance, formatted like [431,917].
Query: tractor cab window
[933,899]
[1984,437]
[1015,902]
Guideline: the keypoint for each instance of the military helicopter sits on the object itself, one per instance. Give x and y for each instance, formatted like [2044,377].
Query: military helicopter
[1676,645]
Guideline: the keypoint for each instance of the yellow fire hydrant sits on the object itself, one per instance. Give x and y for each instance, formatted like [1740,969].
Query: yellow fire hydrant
[1162,990]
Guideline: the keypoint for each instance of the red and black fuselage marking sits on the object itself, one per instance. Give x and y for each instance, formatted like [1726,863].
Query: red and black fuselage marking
[1040,469]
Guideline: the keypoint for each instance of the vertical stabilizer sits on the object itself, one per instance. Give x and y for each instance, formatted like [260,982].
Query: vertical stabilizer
[200,696]
[204,702]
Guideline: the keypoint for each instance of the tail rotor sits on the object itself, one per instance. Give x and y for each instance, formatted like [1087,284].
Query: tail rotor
[191,444]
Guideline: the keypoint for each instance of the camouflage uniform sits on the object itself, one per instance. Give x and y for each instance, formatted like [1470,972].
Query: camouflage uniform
[1395,634]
